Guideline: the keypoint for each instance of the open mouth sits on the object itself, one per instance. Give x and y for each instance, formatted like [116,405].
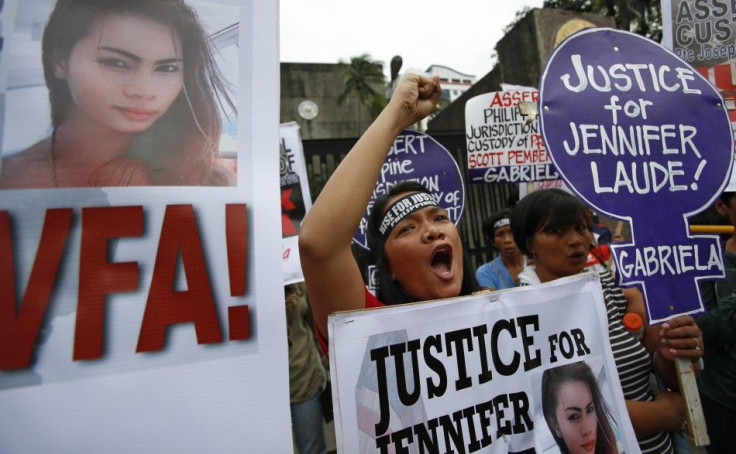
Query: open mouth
[442,261]
[578,255]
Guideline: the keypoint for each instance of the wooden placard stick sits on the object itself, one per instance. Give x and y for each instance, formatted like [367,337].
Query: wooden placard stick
[689,391]
[711,229]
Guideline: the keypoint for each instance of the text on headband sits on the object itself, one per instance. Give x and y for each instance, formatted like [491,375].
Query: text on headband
[403,208]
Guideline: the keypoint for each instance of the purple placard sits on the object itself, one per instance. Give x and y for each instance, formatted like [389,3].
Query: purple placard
[418,157]
[641,136]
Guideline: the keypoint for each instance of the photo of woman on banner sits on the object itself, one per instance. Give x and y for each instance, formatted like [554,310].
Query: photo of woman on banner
[576,412]
[135,98]
[552,227]
[416,246]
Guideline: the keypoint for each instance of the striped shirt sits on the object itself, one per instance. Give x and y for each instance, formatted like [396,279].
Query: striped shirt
[633,363]
[632,360]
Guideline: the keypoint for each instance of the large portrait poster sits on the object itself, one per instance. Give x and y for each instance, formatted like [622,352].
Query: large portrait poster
[477,373]
[141,297]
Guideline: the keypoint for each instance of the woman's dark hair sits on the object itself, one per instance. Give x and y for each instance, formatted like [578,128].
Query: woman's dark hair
[726,197]
[552,381]
[487,227]
[389,292]
[182,145]
[545,210]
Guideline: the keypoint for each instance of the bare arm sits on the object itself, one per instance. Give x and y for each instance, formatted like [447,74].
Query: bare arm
[332,276]
[635,304]
[674,338]
[665,413]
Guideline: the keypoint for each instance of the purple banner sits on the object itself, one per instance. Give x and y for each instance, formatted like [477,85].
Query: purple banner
[641,136]
[418,157]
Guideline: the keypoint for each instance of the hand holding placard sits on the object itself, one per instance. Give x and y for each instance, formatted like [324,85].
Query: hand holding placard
[641,136]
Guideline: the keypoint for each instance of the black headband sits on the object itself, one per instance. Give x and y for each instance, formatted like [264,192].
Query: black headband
[500,223]
[403,207]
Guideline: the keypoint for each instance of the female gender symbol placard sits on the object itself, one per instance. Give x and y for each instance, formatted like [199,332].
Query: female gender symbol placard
[418,157]
[641,136]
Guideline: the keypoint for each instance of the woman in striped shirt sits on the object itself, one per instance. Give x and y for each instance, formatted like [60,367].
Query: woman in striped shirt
[551,226]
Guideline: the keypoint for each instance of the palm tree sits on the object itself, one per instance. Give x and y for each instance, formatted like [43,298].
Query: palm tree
[360,76]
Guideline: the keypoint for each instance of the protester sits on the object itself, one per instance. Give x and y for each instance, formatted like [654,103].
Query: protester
[134,93]
[551,226]
[717,381]
[307,374]
[575,410]
[600,256]
[503,271]
[602,233]
[416,246]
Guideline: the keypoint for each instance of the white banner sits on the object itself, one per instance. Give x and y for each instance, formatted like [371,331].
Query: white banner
[503,141]
[466,374]
[295,199]
[702,34]
[141,297]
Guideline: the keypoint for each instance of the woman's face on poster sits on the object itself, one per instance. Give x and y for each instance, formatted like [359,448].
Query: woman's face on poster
[576,415]
[124,74]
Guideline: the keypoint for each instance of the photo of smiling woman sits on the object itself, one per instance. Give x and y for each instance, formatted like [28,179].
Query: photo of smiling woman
[575,410]
[135,98]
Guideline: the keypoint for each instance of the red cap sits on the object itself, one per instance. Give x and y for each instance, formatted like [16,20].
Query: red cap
[632,321]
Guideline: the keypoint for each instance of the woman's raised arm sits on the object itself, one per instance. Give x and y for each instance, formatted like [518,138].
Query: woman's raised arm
[332,276]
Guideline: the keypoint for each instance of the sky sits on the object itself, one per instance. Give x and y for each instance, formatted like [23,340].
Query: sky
[460,34]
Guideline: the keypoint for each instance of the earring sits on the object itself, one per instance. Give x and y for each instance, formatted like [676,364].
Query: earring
[556,430]
[60,70]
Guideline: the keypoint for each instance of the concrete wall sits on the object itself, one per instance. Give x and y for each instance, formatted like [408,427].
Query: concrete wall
[321,83]
[522,55]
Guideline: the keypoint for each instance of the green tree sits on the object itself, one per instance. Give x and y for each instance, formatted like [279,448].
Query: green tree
[643,17]
[361,75]
[519,16]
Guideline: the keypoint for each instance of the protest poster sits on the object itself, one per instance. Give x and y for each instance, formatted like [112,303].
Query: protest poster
[642,137]
[528,188]
[702,34]
[141,295]
[415,156]
[465,374]
[295,199]
[504,144]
